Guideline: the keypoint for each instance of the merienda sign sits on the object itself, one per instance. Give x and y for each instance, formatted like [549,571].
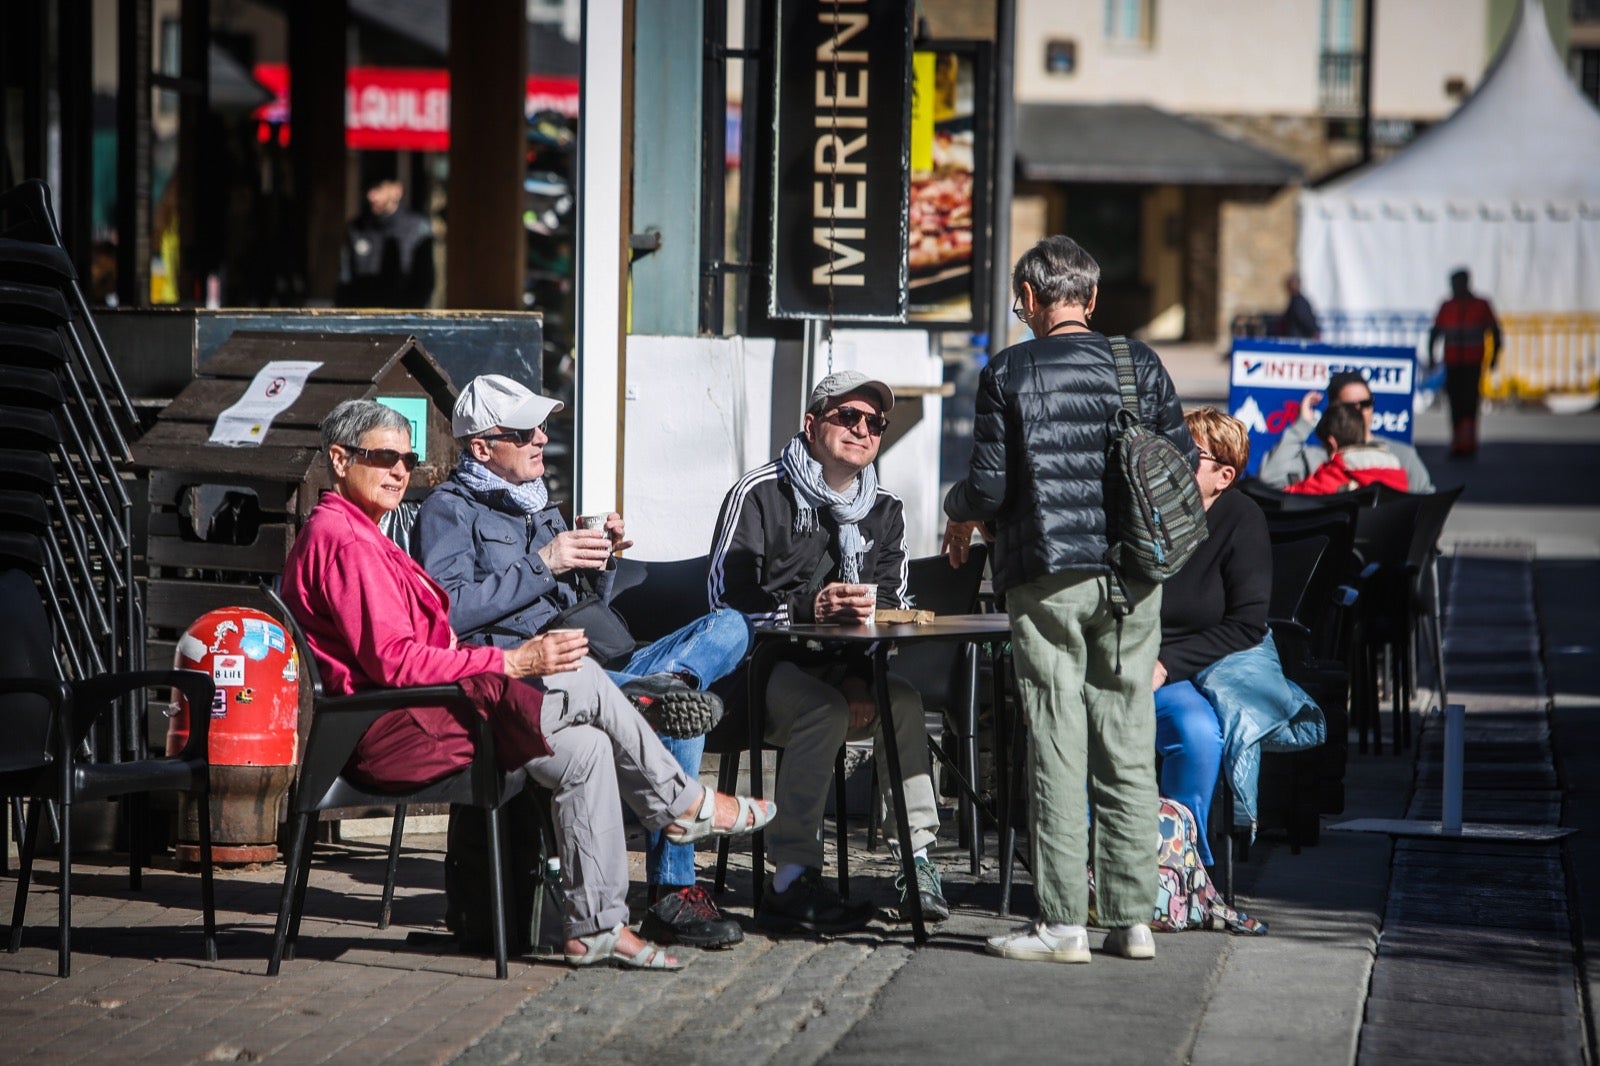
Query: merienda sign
[840,159]
[1270,377]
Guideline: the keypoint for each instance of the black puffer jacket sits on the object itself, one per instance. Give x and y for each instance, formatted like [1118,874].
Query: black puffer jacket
[1039,451]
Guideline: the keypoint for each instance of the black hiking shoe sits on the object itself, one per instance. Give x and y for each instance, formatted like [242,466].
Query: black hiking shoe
[929,889]
[811,906]
[672,707]
[689,917]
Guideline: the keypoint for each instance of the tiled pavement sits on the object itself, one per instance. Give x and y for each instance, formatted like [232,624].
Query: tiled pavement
[140,992]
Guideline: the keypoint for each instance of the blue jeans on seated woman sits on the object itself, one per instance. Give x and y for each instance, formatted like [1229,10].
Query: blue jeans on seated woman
[1189,741]
[707,649]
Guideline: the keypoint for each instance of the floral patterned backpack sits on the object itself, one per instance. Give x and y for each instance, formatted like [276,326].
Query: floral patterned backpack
[1185,897]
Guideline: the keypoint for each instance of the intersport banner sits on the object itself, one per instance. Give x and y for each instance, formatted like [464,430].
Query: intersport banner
[1270,377]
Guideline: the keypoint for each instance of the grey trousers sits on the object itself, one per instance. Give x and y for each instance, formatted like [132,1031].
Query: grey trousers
[810,718]
[1091,724]
[604,755]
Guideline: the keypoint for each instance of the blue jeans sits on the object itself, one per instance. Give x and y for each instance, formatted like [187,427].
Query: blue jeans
[709,649]
[1189,740]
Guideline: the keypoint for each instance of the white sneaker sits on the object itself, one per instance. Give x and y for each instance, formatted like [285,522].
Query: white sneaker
[1131,942]
[1035,943]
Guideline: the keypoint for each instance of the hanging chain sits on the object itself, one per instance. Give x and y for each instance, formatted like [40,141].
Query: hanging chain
[833,191]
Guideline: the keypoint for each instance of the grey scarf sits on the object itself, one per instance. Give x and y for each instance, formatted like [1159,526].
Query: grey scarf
[530,497]
[812,493]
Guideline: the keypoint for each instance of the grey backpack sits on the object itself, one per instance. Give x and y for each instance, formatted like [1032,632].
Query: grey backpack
[1154,516]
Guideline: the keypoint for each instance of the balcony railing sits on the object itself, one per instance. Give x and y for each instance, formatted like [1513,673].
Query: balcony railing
[1339,84]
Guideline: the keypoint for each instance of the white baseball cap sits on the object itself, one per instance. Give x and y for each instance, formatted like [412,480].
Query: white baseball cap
[495,400]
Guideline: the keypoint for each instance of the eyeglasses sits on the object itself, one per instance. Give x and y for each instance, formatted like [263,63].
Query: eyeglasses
[851,417]
[1361,405]
[518,437]
[383,457]
[1018,310]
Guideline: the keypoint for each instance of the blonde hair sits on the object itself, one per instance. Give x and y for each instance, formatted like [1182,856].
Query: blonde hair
[1228,438]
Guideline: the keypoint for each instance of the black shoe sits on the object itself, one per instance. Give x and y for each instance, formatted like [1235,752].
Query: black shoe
[672,708]
[811,906]
[929,889]
[689,917]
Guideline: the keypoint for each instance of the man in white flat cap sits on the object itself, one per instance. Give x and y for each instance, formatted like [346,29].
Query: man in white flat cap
[491,537]
[806,538]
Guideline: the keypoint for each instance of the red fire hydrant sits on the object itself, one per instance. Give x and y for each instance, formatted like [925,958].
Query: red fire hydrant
[253,741]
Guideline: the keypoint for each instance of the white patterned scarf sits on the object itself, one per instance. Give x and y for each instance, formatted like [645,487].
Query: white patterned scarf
[530,497]
[812,493]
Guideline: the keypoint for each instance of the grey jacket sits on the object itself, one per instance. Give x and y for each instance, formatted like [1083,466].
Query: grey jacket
[484,551]
[1295,456]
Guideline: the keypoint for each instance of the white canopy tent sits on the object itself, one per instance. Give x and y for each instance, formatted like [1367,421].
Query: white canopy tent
[1508,186]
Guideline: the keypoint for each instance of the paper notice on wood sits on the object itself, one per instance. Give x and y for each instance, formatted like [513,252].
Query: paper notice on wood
[272,391]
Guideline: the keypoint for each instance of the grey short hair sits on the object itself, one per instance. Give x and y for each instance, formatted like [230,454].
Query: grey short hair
[1059,270]
[354,419]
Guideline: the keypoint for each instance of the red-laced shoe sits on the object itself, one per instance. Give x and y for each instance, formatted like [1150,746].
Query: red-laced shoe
[689,916]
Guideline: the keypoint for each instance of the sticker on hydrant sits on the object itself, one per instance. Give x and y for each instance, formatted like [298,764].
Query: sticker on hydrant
[227,670]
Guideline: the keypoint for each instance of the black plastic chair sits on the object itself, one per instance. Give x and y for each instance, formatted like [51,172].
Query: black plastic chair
[41,753]
[1397,544]
[337,725]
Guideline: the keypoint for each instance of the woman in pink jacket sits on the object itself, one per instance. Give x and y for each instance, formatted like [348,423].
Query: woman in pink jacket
[374,619]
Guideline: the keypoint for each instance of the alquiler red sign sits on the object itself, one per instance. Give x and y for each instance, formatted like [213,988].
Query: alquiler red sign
[403,109]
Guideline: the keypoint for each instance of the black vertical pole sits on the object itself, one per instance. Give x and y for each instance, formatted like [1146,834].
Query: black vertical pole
[757,64]
[713,165]
[1005,138]
[133,153]
[1366,80]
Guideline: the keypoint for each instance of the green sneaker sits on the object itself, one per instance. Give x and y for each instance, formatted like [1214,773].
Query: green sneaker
[929,888]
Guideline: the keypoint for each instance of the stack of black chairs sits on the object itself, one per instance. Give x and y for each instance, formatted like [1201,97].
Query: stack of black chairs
[65,425]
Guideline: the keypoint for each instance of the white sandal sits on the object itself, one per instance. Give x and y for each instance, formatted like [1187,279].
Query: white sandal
[602,951]
[697,825]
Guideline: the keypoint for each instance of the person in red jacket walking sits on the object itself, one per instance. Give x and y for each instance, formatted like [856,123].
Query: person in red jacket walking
[1464,322]
[1353,462]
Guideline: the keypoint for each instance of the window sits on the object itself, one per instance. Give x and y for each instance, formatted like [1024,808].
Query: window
[1586,69]
[1339,79]
[1130,22]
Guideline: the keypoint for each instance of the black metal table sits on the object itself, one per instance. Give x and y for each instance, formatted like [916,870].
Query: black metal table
[770,641]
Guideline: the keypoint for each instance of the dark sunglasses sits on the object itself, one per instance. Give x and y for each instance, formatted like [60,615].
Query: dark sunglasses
[516,436]
[384,457]
[851,417]
[1361,405]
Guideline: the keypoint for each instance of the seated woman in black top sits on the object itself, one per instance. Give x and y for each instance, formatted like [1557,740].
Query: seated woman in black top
[1216,605]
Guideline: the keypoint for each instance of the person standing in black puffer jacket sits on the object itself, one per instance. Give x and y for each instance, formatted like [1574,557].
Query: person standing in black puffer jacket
[1037,479]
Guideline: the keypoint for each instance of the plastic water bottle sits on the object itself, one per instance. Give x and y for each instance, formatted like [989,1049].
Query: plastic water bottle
[552,882]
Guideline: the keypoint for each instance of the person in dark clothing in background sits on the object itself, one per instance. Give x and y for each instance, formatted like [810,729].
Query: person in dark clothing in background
[1298,319]
[388,252]
[1464,323]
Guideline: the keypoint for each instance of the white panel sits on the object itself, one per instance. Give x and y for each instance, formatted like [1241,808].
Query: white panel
[599,258]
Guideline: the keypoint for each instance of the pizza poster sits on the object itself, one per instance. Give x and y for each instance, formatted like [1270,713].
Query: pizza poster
[945,249]
[1269,377]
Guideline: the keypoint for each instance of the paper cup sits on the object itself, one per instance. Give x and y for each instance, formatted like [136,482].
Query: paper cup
[872,619]
[592,521]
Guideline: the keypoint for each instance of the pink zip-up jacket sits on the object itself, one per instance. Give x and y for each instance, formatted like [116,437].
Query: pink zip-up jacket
[375,619]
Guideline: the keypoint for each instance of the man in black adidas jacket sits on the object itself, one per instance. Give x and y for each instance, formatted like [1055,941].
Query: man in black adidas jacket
[810,537]
[1083,672]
